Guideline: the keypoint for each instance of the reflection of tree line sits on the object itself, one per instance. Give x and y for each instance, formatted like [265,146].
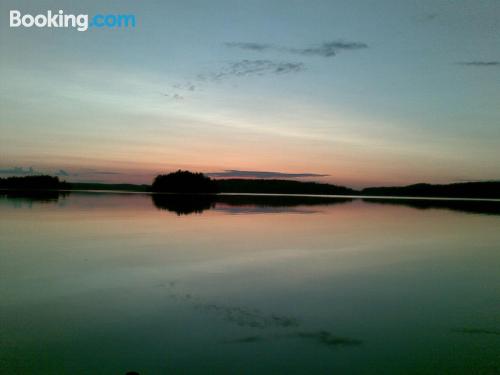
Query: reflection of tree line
[188,204]
[185,204]
[35,196]
[469,206]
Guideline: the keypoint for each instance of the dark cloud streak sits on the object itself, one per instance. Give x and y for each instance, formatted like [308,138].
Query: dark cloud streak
[103,172]
[232,173]
[253,68]
[326,49]
[480,63]
[250,46]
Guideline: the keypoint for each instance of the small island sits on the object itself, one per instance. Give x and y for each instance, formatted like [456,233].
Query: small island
[184,182]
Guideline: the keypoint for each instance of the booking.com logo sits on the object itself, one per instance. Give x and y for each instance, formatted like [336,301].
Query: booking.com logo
[78,21]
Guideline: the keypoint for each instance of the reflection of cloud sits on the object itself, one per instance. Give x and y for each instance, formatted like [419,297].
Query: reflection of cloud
[241,316]
[252,68]
[478,331]
[249,317]
[326,49]
[233,173]
[256,319]
[245,340]
[320,337]
[479,63]
[327,338]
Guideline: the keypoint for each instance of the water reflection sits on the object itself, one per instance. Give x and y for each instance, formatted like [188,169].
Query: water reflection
[478,331]
[324,338]
[256,319]
[358,287]
[189,204]
[468,206]
[238,315]
[183,204]
[30,197]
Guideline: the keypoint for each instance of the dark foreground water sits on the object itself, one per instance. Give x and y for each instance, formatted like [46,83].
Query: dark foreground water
[109,283]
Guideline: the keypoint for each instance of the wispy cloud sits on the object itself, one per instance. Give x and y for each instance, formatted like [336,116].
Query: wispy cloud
[252,68]
[426,17]
[21,171]
[173,96]
[260,67]
[184,86]
[18,171]
[251,46]
[177,90]
[82,173]
[479,63]
[233,173]
[62,173]
[326,49]
[104,172]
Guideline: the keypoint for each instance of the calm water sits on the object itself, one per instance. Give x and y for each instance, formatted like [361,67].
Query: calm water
[109,283]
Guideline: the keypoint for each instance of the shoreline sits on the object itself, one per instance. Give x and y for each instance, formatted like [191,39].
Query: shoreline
[333,196]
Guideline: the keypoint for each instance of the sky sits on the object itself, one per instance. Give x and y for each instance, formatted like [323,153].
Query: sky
[356,93]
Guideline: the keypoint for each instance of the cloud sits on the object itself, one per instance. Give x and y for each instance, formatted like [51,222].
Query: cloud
[17,171]
[480,63]
[233,173]
[177,90]
[326,49]
[65,173]
[28,171]
[253,67]
[184,86]
[103,172]
[426,17]
[62,173]
[173,96]
[251,46]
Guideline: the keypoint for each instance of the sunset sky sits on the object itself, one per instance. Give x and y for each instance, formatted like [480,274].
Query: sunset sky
[355,93]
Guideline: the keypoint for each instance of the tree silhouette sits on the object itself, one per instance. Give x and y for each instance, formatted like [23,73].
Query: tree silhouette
[184,182]
[33,183]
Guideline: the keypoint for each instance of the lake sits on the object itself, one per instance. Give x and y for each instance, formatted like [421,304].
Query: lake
[103,283]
